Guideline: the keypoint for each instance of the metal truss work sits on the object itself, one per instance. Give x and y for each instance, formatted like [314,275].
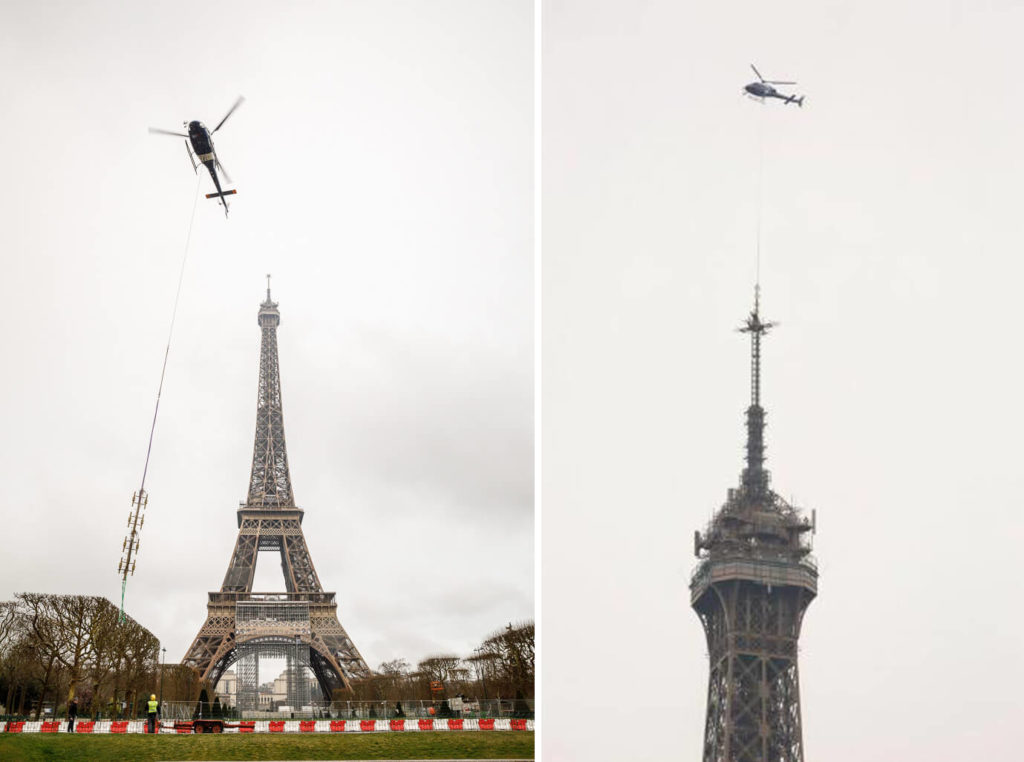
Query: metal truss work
[242,625]
[270,485]
[272,629]
[271,618]
[754,582]
[279,530]
[247,669]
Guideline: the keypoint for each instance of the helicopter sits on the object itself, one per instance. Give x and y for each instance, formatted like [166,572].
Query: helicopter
[763,89]
[201,147]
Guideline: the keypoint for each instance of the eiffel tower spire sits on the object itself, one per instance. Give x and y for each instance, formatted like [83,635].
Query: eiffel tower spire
[752,585]
[755,477]
[270,485]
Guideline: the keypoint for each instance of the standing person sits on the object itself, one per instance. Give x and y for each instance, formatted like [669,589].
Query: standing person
[72,714]
[152,710]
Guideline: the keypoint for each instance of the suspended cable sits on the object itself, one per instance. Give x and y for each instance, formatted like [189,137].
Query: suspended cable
[760,191]
[131,543]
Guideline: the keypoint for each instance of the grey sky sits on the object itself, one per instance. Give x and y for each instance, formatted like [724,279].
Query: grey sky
[384,167]
[383,162]
[891,257]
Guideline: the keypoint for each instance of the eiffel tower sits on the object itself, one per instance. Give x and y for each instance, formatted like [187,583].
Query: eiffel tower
[754,582]
[301,624]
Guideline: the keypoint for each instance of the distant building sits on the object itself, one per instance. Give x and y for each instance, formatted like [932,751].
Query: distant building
[227,689]
[272,694]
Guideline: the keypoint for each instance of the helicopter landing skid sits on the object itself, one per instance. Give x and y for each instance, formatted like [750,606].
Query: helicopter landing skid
[188,149]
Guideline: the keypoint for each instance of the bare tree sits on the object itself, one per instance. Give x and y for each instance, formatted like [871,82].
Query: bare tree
[394,679]
[12,632]
[139,659]
[510,654]
[105,647]
[19,669]
[397,666]
[44,636]
[10,625]
[74,643]
[447,669]
[181,683]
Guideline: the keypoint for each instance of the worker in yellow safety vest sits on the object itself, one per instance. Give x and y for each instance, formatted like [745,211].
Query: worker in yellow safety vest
[152,710]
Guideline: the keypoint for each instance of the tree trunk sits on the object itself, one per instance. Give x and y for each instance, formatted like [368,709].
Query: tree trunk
[76,673]
[46,686]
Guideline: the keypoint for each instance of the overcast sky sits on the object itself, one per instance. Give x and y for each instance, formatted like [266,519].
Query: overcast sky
[383,161]
[891,257]
[384,167]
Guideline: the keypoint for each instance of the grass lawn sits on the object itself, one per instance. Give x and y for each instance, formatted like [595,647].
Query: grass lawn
[140,748]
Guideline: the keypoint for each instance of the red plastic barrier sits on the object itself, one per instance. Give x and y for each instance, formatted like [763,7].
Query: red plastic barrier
[398,724]
[15,727]
[426,724]
[277,726]
[486,724]
[307,726]
[454,724]
[337,726]
[247,727]
[50,726]
[367,725]
[119,727]
[518,724]
[85,726]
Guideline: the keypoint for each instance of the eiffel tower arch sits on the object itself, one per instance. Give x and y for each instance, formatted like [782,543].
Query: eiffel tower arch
[299,624]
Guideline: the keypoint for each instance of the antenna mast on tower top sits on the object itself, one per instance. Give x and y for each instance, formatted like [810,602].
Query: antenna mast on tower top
[753,583]
[755,478]
[756,328]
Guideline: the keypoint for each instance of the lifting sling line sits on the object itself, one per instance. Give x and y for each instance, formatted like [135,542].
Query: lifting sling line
[131,544]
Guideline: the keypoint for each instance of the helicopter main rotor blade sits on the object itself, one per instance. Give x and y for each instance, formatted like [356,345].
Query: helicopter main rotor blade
[777,82]
[757,72]
[158,131]
[238,103]
[224,171]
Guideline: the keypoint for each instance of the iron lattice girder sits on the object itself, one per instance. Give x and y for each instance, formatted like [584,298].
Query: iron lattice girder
[279,530]
[753,706]
[297,659]
[270,484]
[751,588]
[333,656]
[269,520]
[268,628]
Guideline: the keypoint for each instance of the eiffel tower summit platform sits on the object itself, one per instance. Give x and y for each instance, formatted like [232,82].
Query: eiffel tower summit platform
[753,583]
[300,623]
